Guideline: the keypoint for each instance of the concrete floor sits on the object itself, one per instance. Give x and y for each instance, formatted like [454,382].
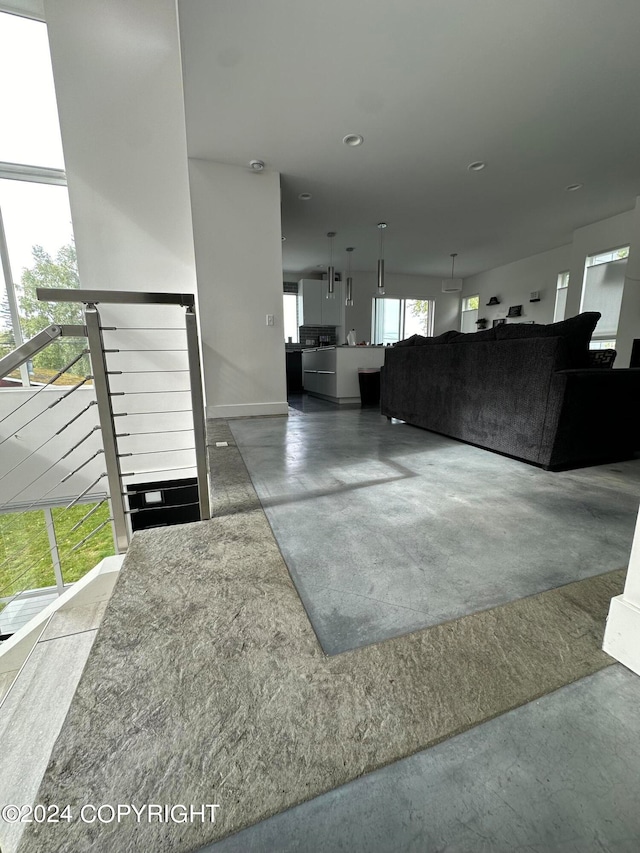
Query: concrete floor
[387,528]
[558,774]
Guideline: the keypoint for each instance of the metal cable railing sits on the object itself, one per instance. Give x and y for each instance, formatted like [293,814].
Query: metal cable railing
[32,550]
[67,472]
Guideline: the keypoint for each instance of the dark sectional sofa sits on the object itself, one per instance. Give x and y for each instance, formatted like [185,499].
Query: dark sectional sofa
[524,390]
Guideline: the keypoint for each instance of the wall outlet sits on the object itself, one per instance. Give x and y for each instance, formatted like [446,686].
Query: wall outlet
[270,320]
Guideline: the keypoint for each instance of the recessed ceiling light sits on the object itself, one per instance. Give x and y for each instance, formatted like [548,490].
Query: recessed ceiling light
[476,166]
[304,196]
[256,165]
[573,187]
[283,238]
[353,140]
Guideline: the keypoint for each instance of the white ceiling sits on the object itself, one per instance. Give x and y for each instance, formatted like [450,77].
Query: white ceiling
[545,91]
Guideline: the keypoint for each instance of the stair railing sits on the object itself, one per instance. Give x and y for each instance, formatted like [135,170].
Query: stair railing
[103,350]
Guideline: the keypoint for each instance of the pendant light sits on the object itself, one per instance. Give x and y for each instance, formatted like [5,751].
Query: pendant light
[331,273]
[452,285]
[381,227]
[349,295]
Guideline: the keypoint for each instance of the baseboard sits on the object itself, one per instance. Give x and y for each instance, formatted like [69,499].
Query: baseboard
[248,410]
[622,634]
[340,401]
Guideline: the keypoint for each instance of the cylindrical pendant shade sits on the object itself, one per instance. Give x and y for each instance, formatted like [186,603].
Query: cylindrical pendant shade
[381,275]
[349,296]
[331,272]
[331,282]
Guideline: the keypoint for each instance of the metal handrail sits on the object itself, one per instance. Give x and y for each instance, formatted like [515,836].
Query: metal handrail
[26,351]
[97,349]
[119,297]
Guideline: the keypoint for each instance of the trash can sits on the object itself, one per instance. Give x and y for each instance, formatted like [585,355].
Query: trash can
[369,379]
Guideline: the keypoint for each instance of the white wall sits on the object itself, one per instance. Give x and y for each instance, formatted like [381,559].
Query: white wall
[513,283]
[118,79]
[622,633]
[237,234]
[590,240]
[358,317]
[629,323]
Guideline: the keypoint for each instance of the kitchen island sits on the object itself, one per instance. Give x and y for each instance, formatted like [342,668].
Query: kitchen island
[331,373]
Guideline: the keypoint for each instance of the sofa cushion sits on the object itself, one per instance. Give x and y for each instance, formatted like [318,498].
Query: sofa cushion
[469,337]
[409,342]
[576,331]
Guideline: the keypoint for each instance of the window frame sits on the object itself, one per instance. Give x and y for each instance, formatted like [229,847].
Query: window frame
[402,300]
[562,284]
[597,259]
[464,312]
[35,174]
[295,338]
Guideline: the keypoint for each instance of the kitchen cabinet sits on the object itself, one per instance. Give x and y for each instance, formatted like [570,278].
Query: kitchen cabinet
[332,372]
[317,310]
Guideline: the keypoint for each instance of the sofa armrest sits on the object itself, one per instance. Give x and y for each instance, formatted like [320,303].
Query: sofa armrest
[595,417]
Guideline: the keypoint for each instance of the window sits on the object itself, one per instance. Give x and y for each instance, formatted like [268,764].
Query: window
[561,297]
[290,301]
[47,547]
[602,345]
[602,291]
[396,319]
[469,313]
[36,235]
[30,128]
[607,257]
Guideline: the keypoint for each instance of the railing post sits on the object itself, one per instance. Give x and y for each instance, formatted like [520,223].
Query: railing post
[197,404]
[53,547]
[107,426]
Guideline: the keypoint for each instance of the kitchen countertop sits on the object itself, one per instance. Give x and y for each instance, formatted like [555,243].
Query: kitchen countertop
[345,347]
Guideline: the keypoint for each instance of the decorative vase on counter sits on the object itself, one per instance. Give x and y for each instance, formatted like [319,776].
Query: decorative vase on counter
[351,338]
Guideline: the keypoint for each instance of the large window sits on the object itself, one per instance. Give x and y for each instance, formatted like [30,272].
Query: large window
[602,291]
[36,236]
[561,297]
[290,317]
[396,319]
[42,548]
[469,313]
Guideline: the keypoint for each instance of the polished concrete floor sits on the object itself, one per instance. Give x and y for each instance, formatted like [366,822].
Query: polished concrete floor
[386,528]
[559,775]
